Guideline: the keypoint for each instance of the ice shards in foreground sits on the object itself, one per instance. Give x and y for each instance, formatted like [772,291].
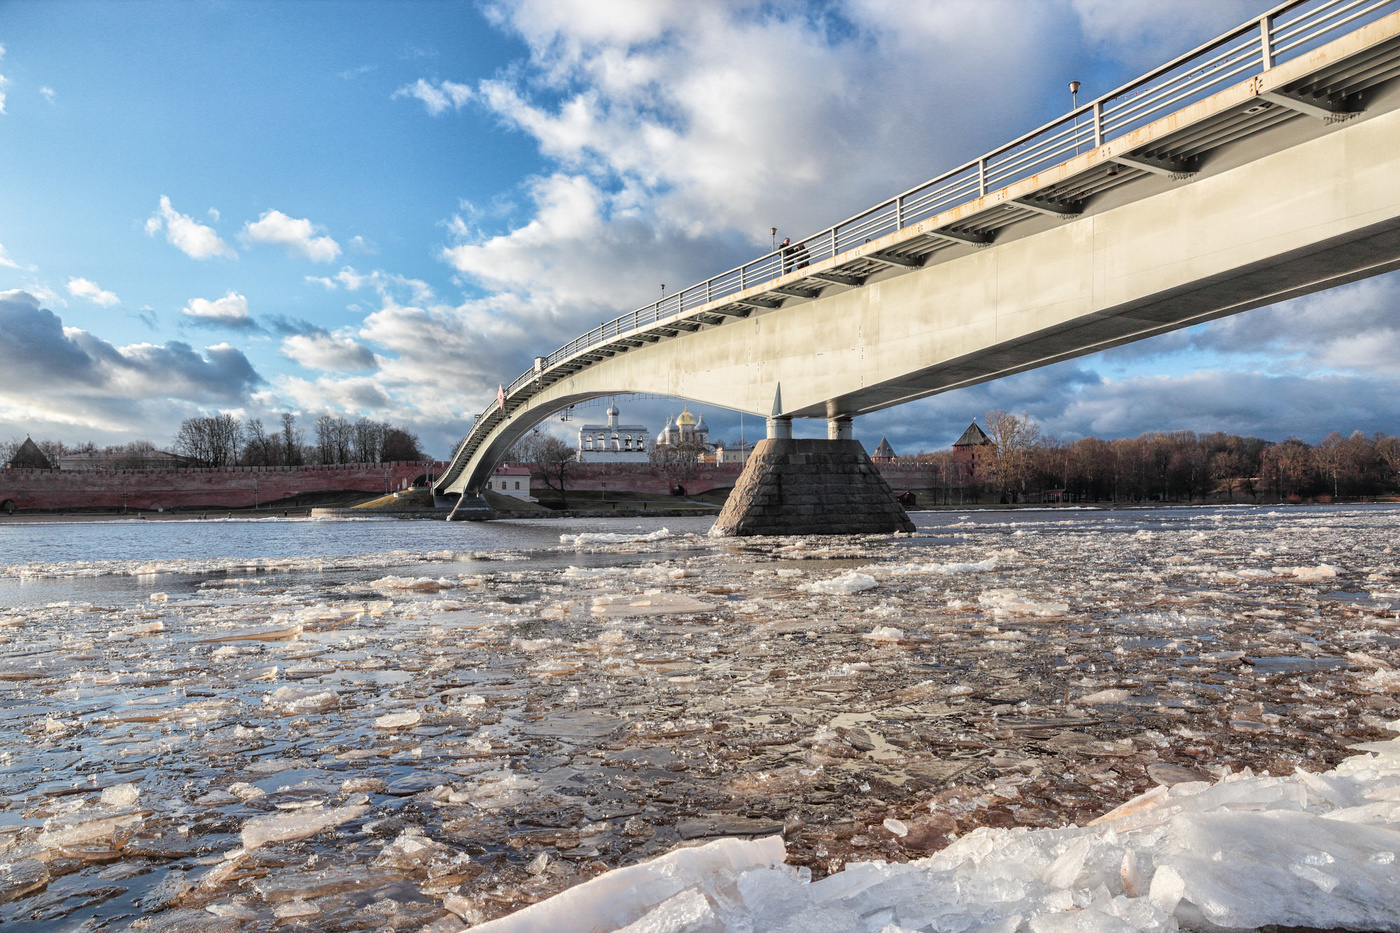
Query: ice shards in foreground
[1315,850]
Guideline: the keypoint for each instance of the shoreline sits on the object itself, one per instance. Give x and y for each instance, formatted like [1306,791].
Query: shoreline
[351,513]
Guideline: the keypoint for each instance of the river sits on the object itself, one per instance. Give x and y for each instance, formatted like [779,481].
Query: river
[235,724]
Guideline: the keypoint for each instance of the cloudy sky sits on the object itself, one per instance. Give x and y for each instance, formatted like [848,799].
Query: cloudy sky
[387,209]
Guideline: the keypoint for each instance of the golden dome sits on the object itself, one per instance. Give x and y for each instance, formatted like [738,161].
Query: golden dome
[686,420]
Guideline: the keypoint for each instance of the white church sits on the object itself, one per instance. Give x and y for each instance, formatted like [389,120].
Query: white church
[613,442]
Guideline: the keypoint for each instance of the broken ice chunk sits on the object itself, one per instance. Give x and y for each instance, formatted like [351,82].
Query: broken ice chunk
[1004,603]
[295,701]
[653,602]
[1308,574]
[21,877]
[846,584]
[296,824]
[87,827]
[120,795]
[402,720]
[1104,698]
[599,537]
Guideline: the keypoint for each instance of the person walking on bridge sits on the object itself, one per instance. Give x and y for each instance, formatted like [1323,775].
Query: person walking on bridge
[794,257]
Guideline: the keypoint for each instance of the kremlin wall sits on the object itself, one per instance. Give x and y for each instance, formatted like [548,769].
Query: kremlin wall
[228,487]
[268,487]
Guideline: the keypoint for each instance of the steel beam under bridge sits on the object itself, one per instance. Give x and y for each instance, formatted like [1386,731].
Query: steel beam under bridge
[1303,205]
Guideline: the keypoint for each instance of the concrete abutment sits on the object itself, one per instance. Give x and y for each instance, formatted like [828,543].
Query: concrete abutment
[811,487]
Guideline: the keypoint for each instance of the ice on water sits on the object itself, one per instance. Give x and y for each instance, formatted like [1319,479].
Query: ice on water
[1088,721]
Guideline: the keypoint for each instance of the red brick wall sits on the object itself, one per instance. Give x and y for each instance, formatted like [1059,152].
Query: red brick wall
[233,487]
[644,478]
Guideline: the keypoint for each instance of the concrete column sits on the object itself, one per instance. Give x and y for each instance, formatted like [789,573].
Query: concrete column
[780,428]
[839,429]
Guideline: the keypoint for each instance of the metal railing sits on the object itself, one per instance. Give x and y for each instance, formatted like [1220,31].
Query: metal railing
[1282,33]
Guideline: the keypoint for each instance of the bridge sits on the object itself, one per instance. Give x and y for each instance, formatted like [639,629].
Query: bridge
[1260,166]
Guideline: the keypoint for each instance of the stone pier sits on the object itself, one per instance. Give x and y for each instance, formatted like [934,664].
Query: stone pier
[811,487]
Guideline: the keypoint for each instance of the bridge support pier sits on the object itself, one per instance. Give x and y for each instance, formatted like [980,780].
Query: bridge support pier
[470,509]
[811,487]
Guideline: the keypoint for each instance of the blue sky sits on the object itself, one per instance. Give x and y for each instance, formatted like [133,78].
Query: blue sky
[386,209]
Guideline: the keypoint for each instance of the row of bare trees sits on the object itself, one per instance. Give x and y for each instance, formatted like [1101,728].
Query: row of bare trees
[224,440]
[133,456]
[1022,465]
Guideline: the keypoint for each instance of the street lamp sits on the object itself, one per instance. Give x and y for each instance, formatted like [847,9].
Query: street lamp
[1074,106]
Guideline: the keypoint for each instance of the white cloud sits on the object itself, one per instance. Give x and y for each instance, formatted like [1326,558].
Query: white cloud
[49,93]
[5,259]
[328,352]
[359,244]
[186,234]
[3,82]
[61,378]
[44,294]
[229,311]
[300,237]
[1131,30]
[437,98]
[83,288]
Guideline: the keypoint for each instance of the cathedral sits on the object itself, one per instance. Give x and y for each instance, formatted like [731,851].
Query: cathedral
[686,432]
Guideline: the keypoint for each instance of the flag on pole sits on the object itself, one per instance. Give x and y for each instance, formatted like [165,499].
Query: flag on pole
[501,396]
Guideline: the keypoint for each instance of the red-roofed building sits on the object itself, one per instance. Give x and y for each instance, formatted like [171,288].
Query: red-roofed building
[510,480]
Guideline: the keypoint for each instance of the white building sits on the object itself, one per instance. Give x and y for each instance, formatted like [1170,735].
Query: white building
[510,481]
[737,453]
[613,442]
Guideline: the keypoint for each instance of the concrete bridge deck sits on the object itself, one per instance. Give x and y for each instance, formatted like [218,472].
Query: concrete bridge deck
[1264,165]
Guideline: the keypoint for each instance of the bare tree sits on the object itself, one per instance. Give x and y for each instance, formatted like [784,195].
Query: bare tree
[335,440]
[551,461]
[292,441]
[258,449]
[133,456]
[400,444]
[369,440]
[1014,440]
[212,441]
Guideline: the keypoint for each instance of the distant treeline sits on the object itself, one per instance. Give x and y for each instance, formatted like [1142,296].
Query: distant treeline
[1022,465]
[224,440]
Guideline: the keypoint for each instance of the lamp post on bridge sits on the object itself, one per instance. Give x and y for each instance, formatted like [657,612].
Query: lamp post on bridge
[1074,106]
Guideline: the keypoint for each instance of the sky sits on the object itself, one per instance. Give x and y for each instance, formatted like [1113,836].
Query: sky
[386,210]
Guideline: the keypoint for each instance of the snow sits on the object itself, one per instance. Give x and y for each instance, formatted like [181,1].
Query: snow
[1242,853]
[646,894]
